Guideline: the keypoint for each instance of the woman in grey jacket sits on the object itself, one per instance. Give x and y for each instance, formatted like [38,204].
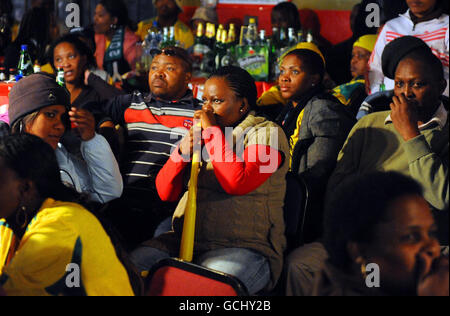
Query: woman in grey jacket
[315,123]
[39,106]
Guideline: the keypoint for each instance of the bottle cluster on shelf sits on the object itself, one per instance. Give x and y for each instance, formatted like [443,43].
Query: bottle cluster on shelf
[253,50]
[24,68]
[215,46]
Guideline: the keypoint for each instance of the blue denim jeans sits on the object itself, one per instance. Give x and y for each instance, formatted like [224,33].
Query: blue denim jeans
[163,227]
[248,266]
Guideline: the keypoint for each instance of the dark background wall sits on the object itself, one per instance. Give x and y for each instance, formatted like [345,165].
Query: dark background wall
[138,9]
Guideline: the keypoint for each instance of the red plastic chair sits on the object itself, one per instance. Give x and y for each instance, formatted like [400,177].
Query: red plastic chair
[174,277]
[5,88]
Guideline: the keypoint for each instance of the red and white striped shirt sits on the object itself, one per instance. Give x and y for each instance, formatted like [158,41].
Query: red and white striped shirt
[434,32]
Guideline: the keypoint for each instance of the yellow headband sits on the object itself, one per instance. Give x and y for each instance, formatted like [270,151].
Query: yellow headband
[367,42]
[306,45]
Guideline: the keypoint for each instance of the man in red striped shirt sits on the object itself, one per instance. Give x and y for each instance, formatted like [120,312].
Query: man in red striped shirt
[155,123]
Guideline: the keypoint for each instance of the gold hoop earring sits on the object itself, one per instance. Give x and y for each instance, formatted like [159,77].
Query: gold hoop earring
[22,217]
[360,260]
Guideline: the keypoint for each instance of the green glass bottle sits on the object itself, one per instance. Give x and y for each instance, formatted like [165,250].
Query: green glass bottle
[60,77]
[300,36]
[231,40]
[210,35]
[25,66]
[165,39]
[221,49]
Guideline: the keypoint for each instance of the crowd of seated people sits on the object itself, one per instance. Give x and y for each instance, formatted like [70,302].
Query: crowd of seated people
[94,171]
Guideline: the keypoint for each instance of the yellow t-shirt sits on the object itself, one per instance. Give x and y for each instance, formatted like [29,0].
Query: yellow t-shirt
[183,33]
[294,137]
[64,251]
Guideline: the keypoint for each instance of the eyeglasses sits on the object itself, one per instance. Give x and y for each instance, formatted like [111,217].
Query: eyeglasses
[166,51]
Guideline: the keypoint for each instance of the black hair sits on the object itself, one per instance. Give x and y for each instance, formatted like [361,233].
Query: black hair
[429,60]
[79,45]
[312,63]
[444,5]
[359,25]
[34,30]
[177,8]
[6,9]
[240,81]
[357,206]
[118,9]
[290,12]
[33,159]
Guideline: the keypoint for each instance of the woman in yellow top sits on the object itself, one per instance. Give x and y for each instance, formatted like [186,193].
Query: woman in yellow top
[168,11]
[49,244]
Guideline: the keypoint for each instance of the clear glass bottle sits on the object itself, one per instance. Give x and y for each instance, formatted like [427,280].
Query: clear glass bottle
[309,37]
[292,38]
[252,32]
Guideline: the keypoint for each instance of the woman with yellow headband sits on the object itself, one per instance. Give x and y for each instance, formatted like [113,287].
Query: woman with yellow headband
[316,125]
[353,93]
[314,122]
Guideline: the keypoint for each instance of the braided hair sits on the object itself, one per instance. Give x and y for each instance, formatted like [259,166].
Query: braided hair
[240,81]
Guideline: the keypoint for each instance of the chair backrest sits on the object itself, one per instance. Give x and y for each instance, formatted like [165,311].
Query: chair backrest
[174,277]
[295,206]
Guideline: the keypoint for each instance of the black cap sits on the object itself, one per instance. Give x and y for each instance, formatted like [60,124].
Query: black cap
[34,92]
[396,50]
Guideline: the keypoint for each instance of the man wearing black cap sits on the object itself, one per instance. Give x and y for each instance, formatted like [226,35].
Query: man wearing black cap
[155,123]
[412,138]
[39,106]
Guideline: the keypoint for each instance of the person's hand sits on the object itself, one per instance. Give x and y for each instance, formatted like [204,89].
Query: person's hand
[84,121]
[206,115]
[404,117]
[435,283]
[87,73]
[187,144]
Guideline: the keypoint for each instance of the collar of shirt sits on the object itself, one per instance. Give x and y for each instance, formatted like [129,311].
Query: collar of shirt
[188,98]
[440,117]
[440,16]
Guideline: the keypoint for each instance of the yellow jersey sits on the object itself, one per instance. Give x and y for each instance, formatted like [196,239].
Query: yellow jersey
[183,33]
[64,251]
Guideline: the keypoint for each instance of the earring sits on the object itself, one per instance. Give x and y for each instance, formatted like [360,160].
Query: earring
[22,217]
[360,260]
